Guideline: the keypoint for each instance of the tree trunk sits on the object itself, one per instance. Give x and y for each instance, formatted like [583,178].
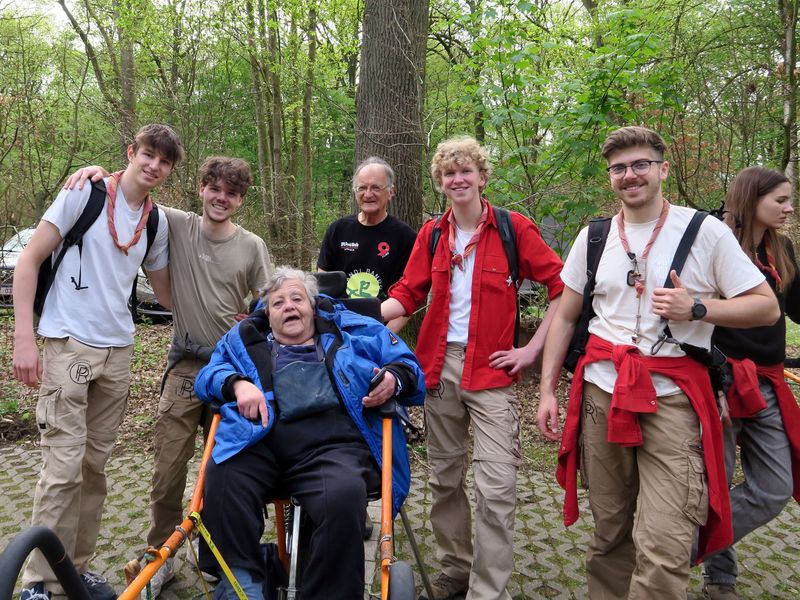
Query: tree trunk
[267,200]
[390,96]
[788,12]
[308,98]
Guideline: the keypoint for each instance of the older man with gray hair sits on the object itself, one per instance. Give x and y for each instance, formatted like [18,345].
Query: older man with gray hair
[371,247]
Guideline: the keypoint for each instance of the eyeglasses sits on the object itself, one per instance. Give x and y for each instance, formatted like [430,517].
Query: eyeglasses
[639,167]
[373,189]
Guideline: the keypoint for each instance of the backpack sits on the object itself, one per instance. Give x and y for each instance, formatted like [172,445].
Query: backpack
[92,210]
[509,239]
[596,242]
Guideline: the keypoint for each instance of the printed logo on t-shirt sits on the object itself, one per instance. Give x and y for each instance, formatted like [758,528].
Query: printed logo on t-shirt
[363,284]
[348,246]
[383,249]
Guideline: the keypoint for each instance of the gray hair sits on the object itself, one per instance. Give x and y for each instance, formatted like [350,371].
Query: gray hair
[374,160]
[283,274]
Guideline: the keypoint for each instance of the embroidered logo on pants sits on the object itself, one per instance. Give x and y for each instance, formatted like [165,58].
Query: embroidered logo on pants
[80,372]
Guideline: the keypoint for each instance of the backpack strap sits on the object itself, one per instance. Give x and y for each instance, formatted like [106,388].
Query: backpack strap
[509,238]
[595,244]
[152,230]
[702,355]
[436,233]
[685,245]
[74,237]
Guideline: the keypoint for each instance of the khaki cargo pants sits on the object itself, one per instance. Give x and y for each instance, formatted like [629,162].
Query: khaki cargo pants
[647,501]
[82,401]
[493,415]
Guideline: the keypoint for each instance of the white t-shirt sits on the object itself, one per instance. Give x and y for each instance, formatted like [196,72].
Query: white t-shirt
[461,292]
[716,266]
[97,314]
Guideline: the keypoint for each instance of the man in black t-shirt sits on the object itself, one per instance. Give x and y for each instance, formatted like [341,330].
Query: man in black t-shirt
[371,247]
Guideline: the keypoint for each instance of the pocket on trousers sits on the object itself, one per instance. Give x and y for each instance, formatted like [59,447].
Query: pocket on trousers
[164,405]
[582,470]
[696,507]
[46,408]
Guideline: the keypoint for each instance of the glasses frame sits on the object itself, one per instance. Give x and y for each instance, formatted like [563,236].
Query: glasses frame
[632,167]
[375,189]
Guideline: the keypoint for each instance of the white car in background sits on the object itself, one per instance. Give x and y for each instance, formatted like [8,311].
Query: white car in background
[16,240]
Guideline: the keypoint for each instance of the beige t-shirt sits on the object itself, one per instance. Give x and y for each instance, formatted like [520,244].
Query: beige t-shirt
[211,280]
[716,266]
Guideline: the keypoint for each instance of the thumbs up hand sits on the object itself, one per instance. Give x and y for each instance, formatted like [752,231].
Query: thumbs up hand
[674,304]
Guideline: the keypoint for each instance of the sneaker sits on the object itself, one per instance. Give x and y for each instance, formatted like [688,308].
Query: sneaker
[445,587]
[35,592]
[98,586]
[720,591]
[162,576]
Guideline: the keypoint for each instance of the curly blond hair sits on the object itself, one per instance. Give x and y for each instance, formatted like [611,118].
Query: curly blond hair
[457,151]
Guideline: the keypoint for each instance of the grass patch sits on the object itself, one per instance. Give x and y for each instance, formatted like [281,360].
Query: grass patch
[792,334]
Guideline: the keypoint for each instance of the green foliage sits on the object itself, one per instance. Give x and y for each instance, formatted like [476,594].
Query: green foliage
[541,84]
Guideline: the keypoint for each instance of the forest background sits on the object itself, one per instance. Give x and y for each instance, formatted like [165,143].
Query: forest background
[303,89]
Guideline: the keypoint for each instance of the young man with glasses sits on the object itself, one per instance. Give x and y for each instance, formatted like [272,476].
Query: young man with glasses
[642,422]
[371,247]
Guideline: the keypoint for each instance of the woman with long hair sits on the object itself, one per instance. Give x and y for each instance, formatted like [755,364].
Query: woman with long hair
[765,418]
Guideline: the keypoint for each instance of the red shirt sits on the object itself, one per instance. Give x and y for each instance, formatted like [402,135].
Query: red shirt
[492,316]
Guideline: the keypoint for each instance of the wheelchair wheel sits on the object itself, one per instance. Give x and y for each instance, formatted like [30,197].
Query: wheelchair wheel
[401,582]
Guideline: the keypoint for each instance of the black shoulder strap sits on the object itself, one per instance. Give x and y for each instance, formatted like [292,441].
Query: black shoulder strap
[48,269]
[681,254]
[685,245]
[436,233]
[507,234]
[595,244]
[152,229]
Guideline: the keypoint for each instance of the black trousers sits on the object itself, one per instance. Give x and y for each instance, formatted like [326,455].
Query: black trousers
[322,461]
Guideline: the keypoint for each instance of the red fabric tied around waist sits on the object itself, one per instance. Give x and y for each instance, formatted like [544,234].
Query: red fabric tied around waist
[744,397]
[692,378]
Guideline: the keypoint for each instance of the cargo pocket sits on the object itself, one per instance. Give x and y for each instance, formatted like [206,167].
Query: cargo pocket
[46,411]
[584,473]
[696,507]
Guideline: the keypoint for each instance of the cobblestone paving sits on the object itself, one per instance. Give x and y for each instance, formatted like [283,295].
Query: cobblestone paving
[549,558]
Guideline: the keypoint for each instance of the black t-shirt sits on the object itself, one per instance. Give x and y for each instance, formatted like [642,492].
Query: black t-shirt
[764,345]
[373,257]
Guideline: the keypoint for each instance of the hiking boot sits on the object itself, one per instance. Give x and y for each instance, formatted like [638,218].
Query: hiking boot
[162,576]
[445,587]
[720,591]
[35,592]
[98,586]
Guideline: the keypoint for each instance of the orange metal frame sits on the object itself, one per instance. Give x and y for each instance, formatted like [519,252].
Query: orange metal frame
[177,539]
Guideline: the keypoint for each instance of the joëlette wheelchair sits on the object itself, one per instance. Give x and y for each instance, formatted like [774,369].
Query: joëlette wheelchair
[397,577]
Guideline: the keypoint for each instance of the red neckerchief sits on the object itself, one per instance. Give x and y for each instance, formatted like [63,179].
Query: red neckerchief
[639,282]
[111,189]
[456,258]
[770,266]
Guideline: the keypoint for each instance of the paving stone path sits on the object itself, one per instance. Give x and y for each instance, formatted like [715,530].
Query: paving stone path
[549,557]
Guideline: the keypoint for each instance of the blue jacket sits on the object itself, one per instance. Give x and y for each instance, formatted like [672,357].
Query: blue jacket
[359,344]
